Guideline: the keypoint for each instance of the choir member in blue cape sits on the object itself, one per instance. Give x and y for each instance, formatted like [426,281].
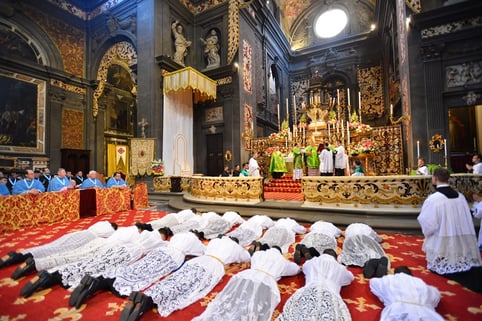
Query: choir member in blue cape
[28,185]
[91,181]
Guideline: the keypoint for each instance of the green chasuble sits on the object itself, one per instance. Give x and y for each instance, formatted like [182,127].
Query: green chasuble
[312,159]
[277,163]
[297,158]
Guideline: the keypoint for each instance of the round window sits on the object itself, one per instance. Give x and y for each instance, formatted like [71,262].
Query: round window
[330,23]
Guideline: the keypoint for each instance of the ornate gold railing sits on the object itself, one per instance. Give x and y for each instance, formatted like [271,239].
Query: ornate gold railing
[380,191]
[235,189]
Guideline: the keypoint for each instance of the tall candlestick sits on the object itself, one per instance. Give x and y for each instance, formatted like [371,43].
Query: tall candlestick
[359,105]
[418,149]
[287,112]
[295,113]
[391,109]
[348,133]
[329,134]
[279,126]
[342,129]
[338,96]
[348,95]
[445,147]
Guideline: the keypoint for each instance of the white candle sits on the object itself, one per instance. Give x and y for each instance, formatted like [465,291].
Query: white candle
[287,112]
[342,130]
[329,134]
[348,95]
[391,109]
[338,96]
[445,147]
[277,106]
[295,113]
[418,149]
[348,132]
[359,105]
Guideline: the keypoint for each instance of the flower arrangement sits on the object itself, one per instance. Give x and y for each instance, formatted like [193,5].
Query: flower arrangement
[281,135]
[360,127]
[332,117]
[269,151]
[365,146]
[157,167]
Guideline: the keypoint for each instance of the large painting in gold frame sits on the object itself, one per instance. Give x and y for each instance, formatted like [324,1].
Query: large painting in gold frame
[22,114]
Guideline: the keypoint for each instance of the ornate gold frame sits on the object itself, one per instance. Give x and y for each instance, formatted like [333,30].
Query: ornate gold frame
[436,144]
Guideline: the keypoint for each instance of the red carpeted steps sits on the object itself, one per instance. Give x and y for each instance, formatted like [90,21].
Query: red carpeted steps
[285,184]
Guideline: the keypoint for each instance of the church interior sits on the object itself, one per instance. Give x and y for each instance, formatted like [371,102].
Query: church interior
[170,92]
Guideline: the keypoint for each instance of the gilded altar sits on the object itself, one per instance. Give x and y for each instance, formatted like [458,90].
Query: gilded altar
[397,191]
[227,189]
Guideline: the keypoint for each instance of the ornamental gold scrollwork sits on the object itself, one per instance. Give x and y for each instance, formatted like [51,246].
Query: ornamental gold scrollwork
[228,156]
[437,143]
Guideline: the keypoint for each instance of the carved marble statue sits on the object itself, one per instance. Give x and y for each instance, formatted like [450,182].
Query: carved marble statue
[180,43]
[211,49]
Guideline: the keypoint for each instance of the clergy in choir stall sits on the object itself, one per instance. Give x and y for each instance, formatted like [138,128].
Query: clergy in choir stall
[406,297]
[422,168]
[450,242]
[297,162]
[277,165]
[3,187]
[60,182]
[252,294]
[116,181]
[91,181]
[319,298]
[79,179]
[28,185]
[312,160]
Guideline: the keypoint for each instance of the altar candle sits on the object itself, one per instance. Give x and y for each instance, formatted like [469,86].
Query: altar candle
[418,149]
[348,95]
[329,134]
[338,96]
[342,130]
[348,132]
[295,113]
[445,147]
[287,112]
[277,106]
[391,109]
[359,105]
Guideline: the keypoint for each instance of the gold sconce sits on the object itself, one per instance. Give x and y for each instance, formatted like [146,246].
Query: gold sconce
[393,121]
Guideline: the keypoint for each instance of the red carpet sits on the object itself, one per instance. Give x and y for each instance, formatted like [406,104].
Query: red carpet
[457,303]
[284,188]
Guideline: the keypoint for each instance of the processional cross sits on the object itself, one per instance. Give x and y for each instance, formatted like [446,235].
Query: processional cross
[143,123]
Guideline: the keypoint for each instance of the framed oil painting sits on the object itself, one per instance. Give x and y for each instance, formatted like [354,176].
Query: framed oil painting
[22,114]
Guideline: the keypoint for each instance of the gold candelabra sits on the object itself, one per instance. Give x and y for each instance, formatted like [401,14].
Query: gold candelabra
[406,118]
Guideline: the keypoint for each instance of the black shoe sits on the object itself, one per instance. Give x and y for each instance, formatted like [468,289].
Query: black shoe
[382,267]
[11,258]
[89,290]
[39,282]
[144,303]
[370,268]
[297,254]
[252,248]
[25,268]
[87,287]
[126,312]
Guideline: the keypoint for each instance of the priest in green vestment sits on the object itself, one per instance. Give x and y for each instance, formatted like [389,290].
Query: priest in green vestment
[277,165]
